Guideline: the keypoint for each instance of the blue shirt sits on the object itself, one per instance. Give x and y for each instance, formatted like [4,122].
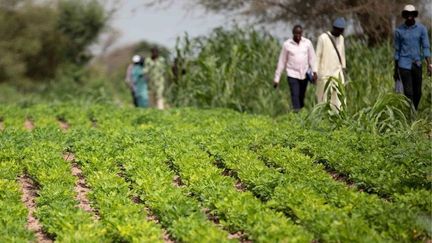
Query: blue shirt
[411,45]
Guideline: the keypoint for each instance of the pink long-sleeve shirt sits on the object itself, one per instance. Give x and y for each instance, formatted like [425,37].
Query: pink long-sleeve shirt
[296,58]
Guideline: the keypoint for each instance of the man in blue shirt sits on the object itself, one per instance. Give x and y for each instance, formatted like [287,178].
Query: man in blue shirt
[411,46]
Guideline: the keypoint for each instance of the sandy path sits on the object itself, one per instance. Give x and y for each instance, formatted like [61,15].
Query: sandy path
[29,193]
[81,187]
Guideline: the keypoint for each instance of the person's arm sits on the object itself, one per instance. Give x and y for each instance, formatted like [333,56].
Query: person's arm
[311,60]
[426,49]
[146,66]
[319,53]
[397,47]
[128,79]
[280,66]
[343,53]
[429,64]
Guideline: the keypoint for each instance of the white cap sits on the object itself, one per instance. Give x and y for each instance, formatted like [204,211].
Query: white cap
[409,8]
[136,59]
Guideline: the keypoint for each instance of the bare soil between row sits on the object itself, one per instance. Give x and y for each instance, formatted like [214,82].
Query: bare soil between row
[29,194]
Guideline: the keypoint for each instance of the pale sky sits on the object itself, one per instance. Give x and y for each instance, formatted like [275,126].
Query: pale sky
[162,25]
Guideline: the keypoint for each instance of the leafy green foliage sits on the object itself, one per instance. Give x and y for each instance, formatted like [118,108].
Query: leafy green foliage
[56,205]
[38,39]
[230,69]
[122,218]
[29,42]
[292,184]
[13,214]
[234,69]
[80,21]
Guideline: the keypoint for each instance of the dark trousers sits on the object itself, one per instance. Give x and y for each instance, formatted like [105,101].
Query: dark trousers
[298,91]
[412,83]
[134,99]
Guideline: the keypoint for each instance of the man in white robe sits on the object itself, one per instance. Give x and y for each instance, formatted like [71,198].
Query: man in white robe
[330,62]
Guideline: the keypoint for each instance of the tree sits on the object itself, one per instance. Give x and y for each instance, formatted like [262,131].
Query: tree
[81,22]
[374,18]
[117,60]
[37,37]
[27,35]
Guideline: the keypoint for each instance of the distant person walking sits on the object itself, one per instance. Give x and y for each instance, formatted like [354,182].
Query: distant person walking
[138,82]
[330,61]
[296,58]
[128,79]
[411,45]
[155,68]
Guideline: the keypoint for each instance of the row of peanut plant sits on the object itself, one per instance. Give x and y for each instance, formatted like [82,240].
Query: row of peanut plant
[210,176]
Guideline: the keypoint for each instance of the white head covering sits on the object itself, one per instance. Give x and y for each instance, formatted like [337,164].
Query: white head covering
[136,58]
[410,9]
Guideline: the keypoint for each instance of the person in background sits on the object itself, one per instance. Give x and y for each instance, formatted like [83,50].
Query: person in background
[155,68]
[330,61]
[139,82]
[296,58]
[128,79]
[411,44]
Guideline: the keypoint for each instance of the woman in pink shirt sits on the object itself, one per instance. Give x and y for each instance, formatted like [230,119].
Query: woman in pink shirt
[296,58]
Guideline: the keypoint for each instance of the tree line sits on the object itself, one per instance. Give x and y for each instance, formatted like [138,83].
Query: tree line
[39,37]
[372,20]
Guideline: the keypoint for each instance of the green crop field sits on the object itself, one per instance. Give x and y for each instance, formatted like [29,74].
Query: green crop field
[109,174]
[229,159]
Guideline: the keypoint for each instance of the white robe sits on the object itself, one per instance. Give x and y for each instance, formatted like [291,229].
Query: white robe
[328,65]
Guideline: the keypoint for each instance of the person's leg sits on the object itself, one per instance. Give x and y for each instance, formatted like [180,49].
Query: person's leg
[145,96]
[160,103]
[159,94]
[335,101]
[294,85]
[416,74]
[303,88]
[320,84]
[134,98]
[151,92]
[333,88]
[406,78]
